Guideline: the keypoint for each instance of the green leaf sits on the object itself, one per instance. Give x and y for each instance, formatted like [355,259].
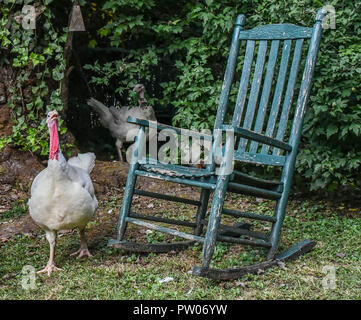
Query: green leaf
[331,130]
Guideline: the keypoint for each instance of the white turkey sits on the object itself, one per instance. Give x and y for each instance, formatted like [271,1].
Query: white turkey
[62,195]
[115,118]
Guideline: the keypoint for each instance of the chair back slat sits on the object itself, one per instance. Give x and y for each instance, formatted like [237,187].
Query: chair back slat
[259,158]
[243,86]
[287,102]
[256,84]
[286,50]
[267,86]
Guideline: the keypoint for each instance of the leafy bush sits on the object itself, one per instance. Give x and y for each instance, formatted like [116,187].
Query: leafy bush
[36,60]
[179,49]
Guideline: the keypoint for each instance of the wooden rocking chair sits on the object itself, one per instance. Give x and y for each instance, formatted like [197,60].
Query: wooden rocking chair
[268,132]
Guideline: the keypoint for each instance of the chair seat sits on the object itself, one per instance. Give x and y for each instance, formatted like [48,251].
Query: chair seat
[178,171]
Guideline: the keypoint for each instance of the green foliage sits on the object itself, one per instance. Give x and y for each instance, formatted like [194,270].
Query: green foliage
[37,58]
[333,124]
[179,50]
[188,42]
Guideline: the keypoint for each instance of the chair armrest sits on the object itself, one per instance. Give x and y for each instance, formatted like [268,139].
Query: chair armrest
[248,134]
[159,126]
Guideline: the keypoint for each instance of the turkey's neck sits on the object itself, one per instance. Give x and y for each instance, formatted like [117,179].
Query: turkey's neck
[54,142]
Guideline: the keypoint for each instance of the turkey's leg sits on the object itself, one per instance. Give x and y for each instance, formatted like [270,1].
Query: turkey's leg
[83,250]
[119,145]
[51,236]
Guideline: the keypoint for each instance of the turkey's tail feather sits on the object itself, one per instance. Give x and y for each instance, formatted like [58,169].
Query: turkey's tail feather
[85,161]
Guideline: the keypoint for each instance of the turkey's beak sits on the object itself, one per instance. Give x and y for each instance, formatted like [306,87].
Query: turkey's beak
[54,117]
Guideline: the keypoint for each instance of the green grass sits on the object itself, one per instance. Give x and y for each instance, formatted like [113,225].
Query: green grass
[18,210]
[115,274]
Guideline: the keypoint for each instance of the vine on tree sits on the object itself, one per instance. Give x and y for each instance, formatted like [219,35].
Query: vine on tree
[36,58]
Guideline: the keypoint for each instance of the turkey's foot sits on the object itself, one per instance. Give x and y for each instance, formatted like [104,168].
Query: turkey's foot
[50,268]
[82,252]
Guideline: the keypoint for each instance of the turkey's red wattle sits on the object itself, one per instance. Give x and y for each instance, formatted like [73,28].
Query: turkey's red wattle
[54,142]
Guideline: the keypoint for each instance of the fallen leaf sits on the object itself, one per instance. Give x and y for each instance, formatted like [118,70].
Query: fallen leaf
[260,271]
[340,254]
[241,284]
[166,279]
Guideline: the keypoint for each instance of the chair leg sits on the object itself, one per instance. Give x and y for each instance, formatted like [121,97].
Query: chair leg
[276,228]
[214,220]
[202,210]
[127,201]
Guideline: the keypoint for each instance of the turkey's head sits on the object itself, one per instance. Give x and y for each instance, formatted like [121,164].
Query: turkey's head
[52,121]
[140,89]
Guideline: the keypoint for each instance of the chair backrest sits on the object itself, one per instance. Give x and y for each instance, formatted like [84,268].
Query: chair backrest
[269,78]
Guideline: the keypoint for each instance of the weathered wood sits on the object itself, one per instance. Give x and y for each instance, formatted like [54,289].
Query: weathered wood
[234,273]
[236,232]
[258,137]
[296,131]
[174,170]
[243,87]
[130,185]
[284,31]
[163,220]
[277,96]
[150,247]
[267,86]
[166,197]
[258,111]
[214,220]
[248,215]
[253,191]
[230,70]
[195,183]
[202,210]
[258,158]
[256,182]
[223,228]
[253,96]
[254,243]
[287,102]
[165,230]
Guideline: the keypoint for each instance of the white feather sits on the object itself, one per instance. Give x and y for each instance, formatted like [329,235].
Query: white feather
[62,195]
[85,161]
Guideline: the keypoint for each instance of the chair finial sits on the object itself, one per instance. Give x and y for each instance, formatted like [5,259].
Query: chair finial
[240,20]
